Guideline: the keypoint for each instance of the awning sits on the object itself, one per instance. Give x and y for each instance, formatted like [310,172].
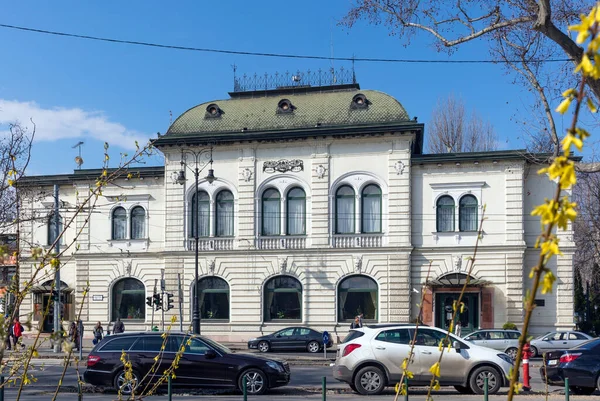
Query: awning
[47,287]
[457,280]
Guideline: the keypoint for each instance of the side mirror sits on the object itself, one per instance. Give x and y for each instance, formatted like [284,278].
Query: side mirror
[456,345]
[210,354]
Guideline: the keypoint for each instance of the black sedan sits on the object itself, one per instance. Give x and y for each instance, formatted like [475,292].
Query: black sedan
[203,364]
[291,338]
[580,364]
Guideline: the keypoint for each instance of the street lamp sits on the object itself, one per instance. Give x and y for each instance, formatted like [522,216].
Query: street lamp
[202,158]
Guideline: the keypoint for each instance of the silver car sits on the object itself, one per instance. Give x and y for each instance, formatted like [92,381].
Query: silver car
[557,341]
[506,341]
[370,358]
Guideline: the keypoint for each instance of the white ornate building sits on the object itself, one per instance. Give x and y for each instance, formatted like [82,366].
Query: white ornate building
[323,207]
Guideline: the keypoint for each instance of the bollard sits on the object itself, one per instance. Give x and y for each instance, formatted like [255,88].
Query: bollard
[245,388]
[169,388]
[324,391]
[526,377]
[485,389]
[566,389]
[406,387]
[79,393]
[2,388]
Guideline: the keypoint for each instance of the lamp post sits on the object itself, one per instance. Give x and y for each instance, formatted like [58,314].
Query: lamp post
[199,165]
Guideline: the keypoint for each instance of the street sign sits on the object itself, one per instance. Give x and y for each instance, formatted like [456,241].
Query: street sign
[325,342]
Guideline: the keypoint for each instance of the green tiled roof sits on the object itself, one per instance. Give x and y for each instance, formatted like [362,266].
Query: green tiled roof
[329,108]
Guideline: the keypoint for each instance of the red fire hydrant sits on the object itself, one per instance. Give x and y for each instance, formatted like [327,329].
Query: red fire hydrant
[526,377]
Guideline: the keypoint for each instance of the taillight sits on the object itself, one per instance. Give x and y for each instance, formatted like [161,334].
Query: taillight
[92,360]
[566,358]
[349,348]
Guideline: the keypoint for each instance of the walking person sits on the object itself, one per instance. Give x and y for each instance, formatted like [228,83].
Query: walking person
[73,334]
[17,332]
[356,323]
[7,341]
[458,329]
[98,333]
[119,327]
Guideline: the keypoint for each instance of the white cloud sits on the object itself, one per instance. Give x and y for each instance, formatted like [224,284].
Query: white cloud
[62,123]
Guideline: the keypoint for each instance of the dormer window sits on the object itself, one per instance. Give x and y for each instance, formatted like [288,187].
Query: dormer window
[285,107]
[213,111]
[360,101]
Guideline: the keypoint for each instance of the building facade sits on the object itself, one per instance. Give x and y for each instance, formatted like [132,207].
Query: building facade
[323,208]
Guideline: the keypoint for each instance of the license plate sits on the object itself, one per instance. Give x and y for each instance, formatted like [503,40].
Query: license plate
[553,362]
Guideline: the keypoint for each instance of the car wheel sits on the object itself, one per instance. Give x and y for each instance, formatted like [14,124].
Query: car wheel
[463,390]
[512,352]
[126,386]
[477,381]
[353,387]
[369,380]
[313,347]
[256,381]
[578,390]
[264,346]
[534,352]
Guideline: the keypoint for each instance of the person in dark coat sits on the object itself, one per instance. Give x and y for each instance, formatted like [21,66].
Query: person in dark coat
[119,327]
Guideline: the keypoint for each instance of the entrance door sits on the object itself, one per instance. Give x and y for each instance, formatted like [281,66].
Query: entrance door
[49,320]
[469,319]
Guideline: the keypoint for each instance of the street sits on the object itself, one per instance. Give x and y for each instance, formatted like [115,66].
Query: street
[306,384]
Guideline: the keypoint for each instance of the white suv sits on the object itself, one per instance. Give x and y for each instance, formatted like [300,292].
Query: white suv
[370,358]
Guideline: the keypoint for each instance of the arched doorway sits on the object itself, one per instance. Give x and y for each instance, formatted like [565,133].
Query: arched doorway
[445,291]
[128,299]
[42,302]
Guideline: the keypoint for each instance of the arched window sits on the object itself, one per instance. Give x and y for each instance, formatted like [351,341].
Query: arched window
[119,223]
[138,223]
[128,299]
[357,295]
[271,212]
[52,228]
[200,213]
[283,299]
[344,210]
[224,214]
[371,209]
[467,213]
[445,214]
[213,298]
[296,212]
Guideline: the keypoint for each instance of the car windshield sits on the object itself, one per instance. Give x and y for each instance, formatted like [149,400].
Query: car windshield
[588,345]
[219,347]
[352,335]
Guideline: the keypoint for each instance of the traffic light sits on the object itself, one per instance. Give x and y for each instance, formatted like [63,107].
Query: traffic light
[157,301]
[169,301]
[149,301]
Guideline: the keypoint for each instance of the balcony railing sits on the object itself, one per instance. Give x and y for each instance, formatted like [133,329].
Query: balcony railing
[288,242]
[357,241]
[211,244]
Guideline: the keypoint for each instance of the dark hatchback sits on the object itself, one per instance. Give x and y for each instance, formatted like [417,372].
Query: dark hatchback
[580,364]
[204,364]
[291,338]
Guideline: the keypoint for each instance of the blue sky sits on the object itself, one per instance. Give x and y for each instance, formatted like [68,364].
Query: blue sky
[77,90]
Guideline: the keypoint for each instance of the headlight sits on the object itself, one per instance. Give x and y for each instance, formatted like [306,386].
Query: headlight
[275,365]
[505,358]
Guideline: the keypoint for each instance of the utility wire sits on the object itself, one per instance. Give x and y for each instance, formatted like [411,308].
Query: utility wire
[277,55]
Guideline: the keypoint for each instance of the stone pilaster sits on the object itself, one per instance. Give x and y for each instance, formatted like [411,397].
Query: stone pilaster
[514,181]
[398,199]
[82,278]
[564,290]
[175,222]
[83,219]
[318,217]
[514,287]
[399,287]
[246,201]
